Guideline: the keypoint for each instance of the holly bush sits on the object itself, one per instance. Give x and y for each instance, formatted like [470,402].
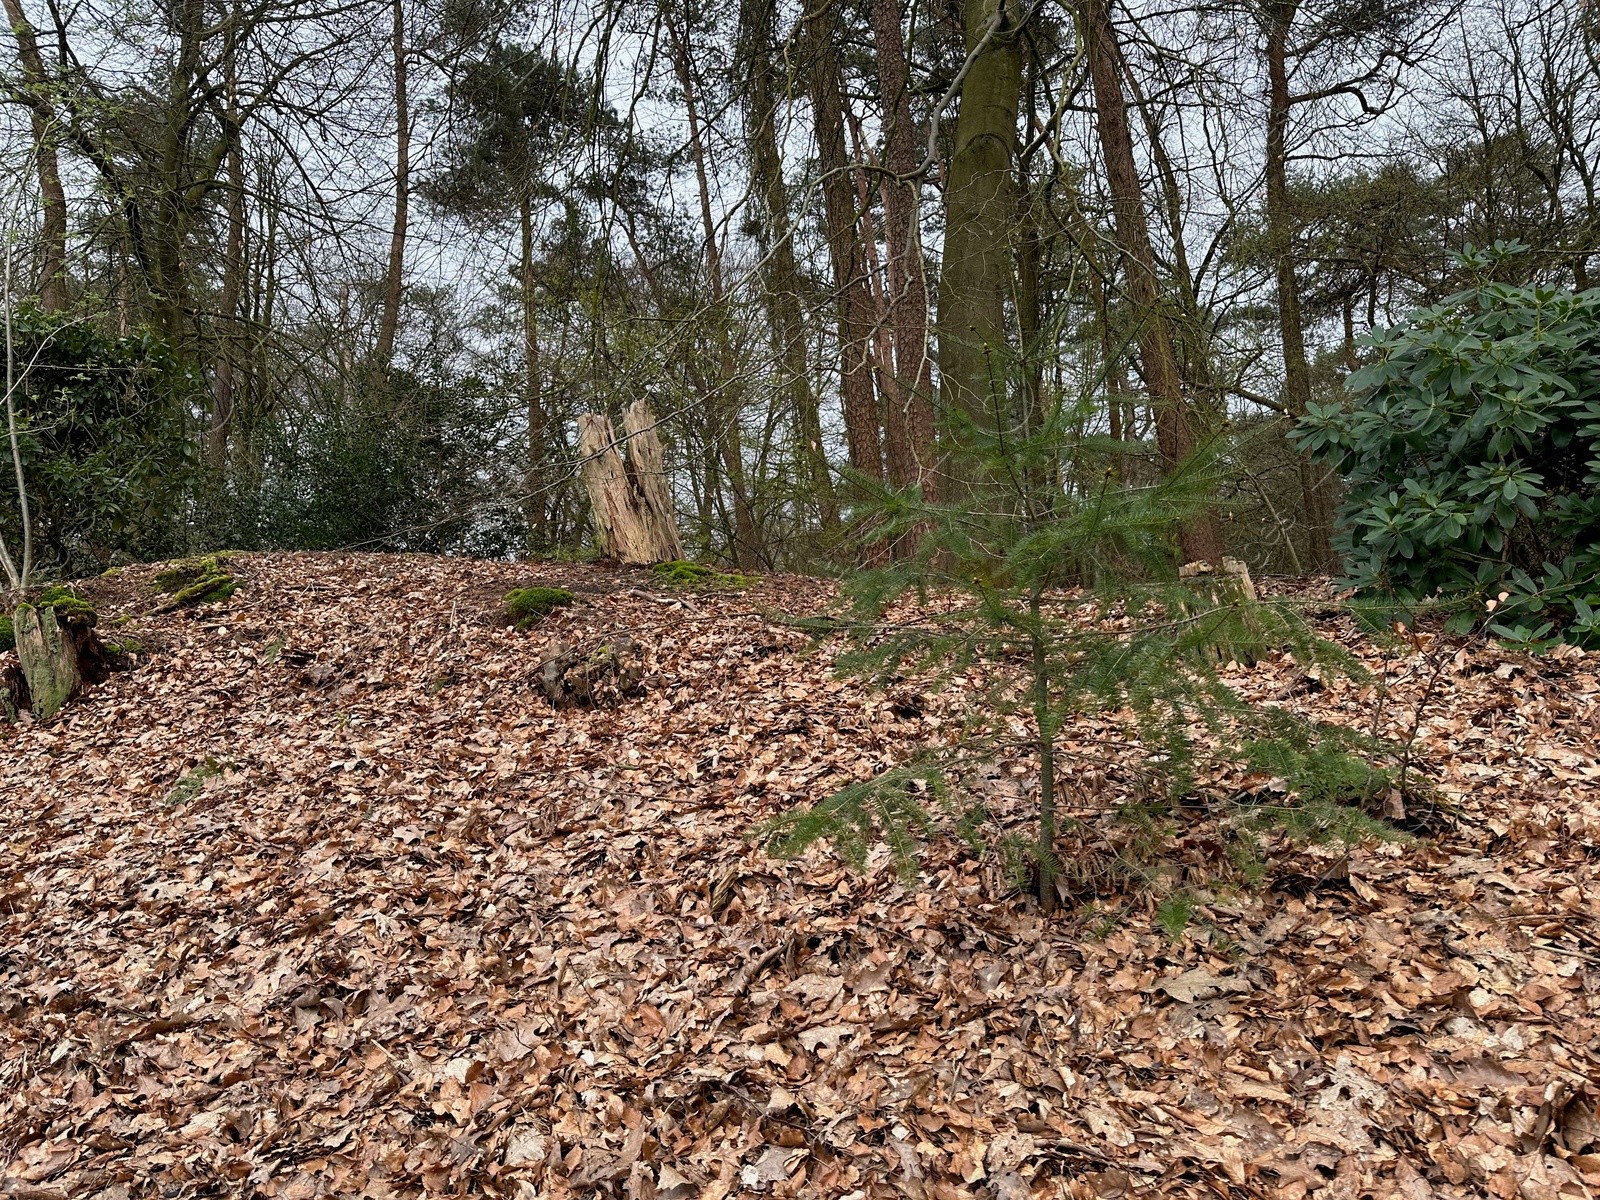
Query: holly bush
[1471,453]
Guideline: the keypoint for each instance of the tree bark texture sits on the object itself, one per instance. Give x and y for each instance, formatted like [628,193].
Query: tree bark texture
[394,277]
[628,491]
[980,211]
[785,290]
[224,381]
[721,411]
[1315,487]
[52,278]
[909,448]
[852,299]
[1201,538]
[535,503]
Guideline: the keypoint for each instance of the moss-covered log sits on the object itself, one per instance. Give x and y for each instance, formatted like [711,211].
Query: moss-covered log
[190,581]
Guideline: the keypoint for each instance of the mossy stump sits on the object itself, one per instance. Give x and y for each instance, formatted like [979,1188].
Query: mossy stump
[48,660]
[1227,598]
[203,580]
[59,651]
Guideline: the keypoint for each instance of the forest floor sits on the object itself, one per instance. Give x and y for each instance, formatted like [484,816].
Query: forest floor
[324,899]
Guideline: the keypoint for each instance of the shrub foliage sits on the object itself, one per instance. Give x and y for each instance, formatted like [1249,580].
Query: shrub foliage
[104,443]
[1471,451]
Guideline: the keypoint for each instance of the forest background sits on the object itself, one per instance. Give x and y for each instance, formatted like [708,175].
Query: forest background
[333,274]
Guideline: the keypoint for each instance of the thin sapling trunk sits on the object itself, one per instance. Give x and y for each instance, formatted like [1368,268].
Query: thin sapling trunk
[1045,734]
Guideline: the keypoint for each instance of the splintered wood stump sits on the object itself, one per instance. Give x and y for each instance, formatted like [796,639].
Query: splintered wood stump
[628,490]
[593,676]
[1238,634]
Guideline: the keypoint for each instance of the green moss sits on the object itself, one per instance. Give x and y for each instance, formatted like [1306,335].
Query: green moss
[70,609]
[191,785]
[693,574]
[683,572]
[188,571]
[8,635]
[197,580]
[110,572]
[525,606]
[211,589]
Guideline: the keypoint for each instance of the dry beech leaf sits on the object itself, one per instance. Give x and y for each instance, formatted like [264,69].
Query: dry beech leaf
[415,932]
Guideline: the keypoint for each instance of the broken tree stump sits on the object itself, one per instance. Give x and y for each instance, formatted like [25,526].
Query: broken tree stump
[59,650]
[13,692]
[49,660]
[594,676]
[1230,594]
[627,486]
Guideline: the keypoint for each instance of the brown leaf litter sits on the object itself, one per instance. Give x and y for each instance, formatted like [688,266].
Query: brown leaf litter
[326,900]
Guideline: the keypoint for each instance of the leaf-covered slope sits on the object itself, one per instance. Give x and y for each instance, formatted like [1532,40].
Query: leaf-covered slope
[324,899]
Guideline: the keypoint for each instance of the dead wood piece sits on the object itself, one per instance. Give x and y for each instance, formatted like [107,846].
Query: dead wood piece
[593,676]
[752,970]
[13,692]
[1228,588]
[1234,574]
[49,660]
[627,487]
[671,601]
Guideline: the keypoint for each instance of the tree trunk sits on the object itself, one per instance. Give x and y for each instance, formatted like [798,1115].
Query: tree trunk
[1187,320]
[980,207]
[632,503]
[52,282]
[1201,538]
[394,278]
[888,406]
[178,193]
[224,383]
[910,444]
[722,415]
[853,302]
[535,503]
[1314,483]
[784,287]
[49,660]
